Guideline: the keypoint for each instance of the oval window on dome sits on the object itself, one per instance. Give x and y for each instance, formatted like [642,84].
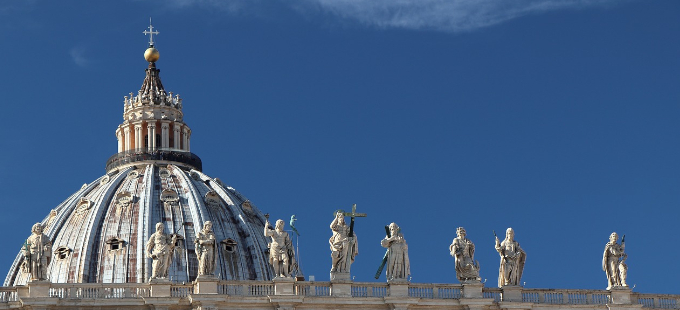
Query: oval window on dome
[164,173]
[62,252]
[133,174]
[169,197]
[212,200]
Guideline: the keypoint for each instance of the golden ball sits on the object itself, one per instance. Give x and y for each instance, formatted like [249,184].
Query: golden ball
[151,54]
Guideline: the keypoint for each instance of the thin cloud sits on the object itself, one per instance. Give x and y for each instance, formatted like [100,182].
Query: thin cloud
[438,15]
[442,15]
[78,57]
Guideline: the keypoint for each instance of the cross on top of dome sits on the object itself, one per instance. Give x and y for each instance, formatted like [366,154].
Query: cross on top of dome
[150,32]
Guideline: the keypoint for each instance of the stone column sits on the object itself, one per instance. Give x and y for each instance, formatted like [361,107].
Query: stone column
[175,128]
[152,135]
[165,135]
[119,136]
[127,145]
[138,136]
[185,139]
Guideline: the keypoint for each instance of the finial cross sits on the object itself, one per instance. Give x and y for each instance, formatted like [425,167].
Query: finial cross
[150,32]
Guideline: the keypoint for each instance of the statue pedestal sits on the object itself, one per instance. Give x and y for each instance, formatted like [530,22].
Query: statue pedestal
[472,289]
[205,284]
[284,286]
[160,287]
[340,276]
[38,289]
[398,287]
[620,299]
[511,293]
[341,288]
[620,295]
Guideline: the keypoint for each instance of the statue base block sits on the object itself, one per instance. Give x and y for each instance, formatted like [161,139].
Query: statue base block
[341,288]
[340,276]
[398,287]
[206,284]
[38,288]
[512,293]
[160,287]
[620,295]
[284,286]
[472,289]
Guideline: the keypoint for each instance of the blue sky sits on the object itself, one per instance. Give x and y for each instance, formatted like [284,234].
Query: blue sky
[557,118]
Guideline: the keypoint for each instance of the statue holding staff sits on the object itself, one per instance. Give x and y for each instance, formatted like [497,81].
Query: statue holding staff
[398,264]
[512,259]
[614,262]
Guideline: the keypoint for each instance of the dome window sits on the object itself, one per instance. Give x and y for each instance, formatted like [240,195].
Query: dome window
[164,173]
[229,245]
[123,201]
[212,200]
[133,174]
[115,244]
[169,197]
[62,252]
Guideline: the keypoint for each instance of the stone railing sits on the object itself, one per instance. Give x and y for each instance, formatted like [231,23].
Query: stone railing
[657,301]
[423,293]
[99,291]
[566,297]
[245,288]
[126,158]
[435,291]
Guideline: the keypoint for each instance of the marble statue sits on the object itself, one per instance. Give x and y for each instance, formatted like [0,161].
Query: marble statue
[160,249]
[398,265]
[614,262]
[281,251]
[205,250]
[37,254]
[463,250]
[344,247]
[512,260]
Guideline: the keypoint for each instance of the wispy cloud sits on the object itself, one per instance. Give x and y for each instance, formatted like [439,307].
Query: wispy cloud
[78,57]
[442,15]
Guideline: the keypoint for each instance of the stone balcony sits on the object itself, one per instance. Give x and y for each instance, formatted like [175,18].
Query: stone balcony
[289,294]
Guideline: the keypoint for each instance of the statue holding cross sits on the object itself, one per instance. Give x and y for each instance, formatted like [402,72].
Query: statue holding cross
[344,245]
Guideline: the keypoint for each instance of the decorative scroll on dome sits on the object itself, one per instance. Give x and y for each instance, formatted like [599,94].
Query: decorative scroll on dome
[194,175]
[212,200]
[83,187]
[169,197]
[104,180]
[83,205]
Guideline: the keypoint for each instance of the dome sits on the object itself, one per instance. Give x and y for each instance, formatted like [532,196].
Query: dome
[99,234]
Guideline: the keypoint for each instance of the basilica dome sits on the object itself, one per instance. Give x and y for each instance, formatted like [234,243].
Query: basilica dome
[99,233]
